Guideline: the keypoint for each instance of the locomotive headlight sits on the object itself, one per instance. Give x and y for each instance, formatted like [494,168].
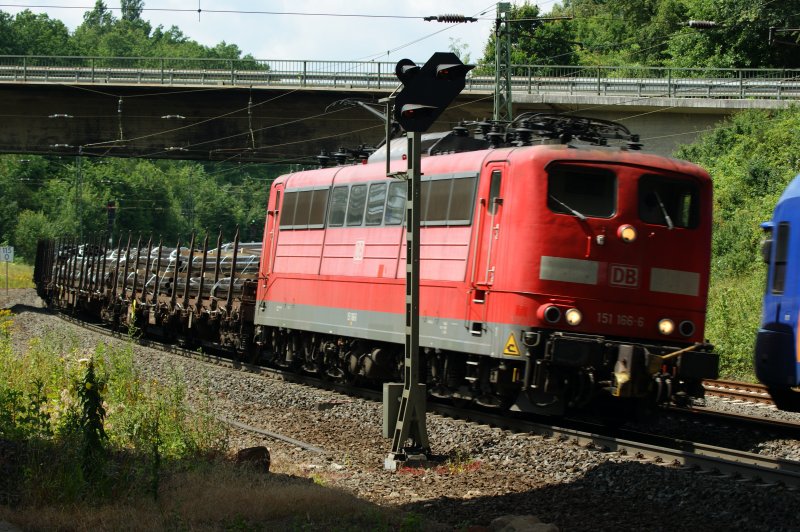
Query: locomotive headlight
[627,233]
[574,317]
[686,328]
[666,326]
[552,314]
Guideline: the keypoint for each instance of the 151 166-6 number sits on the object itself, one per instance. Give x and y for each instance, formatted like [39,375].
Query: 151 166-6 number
[625,320]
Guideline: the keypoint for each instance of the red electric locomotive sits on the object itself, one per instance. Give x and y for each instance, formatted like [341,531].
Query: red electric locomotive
[551,275]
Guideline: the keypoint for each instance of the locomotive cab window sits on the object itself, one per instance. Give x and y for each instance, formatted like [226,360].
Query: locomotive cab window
[668,202]
[582,191]
[781,257]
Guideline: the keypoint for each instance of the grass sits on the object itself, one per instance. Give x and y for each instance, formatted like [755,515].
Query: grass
[734,313]
[216,496]
[88,443]
[19,275]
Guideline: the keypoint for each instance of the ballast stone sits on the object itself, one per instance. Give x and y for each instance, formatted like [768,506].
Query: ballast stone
[258,457]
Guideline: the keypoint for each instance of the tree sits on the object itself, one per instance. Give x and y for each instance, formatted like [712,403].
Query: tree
[31,226]
[534,41]
[38,34]
[622,32]
[654,32]
[132,10]
[461,49]
[7,43]
[99,17]
[741,38]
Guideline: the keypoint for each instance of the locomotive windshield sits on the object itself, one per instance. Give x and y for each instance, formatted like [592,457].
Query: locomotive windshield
[582,191]
[669,202]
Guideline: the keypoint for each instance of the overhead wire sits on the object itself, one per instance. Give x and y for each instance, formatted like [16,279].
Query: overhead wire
[222,11]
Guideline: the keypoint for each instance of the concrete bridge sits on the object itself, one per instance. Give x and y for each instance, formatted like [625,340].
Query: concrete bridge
[290,110]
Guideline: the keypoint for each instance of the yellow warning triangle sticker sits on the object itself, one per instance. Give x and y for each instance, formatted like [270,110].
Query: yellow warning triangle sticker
[511,346]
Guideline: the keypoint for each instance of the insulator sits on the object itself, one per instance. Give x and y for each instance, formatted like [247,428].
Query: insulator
[460,131]
[701,24]
[452,18]
[341,156]
[323,158]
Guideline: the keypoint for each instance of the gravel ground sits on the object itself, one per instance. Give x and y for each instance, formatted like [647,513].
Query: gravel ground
[498,472]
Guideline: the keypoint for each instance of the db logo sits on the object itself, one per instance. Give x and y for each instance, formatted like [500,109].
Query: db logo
[626,276]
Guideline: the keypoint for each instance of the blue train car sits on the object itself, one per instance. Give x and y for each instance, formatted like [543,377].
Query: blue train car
[777,353]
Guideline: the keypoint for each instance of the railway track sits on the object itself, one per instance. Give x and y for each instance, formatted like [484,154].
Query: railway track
[653,448]
[740,391]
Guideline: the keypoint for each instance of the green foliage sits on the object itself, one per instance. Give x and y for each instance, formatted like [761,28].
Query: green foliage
[31,226]
[50,196]
[92,417]
[734,312]
[412,522]
[32,33]
[740,39]
[75,413]
[650,33]
[532,40]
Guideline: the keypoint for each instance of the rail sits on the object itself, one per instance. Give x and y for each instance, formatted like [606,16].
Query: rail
[626,81]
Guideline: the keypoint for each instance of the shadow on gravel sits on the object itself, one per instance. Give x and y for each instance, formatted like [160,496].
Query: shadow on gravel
[631,497]
[19,308]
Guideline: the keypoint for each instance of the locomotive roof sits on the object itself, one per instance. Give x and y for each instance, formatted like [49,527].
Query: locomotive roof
[472,161]
[792,190]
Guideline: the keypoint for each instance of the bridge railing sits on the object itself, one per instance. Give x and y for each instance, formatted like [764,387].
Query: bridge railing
[628,81]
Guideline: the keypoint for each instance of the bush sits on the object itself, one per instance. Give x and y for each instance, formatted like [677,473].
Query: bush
[31,227]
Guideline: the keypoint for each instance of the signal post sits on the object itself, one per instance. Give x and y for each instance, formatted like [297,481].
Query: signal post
[426,93]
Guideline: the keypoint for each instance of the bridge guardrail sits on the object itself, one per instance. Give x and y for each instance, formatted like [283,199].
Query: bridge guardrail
[628,81]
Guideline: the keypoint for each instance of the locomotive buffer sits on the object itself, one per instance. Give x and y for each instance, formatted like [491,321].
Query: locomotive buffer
[426,93]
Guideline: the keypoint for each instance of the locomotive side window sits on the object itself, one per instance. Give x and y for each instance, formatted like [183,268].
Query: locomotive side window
[375,203]
[395,204]
[781,256]
[462,201]
[338,207]
[436,193]
[446,200]
[304,209]
[669,202]
[355,207]
[287,212]
[319,202]
[582,191]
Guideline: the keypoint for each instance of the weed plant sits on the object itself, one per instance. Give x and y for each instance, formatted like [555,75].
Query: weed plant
[93,427]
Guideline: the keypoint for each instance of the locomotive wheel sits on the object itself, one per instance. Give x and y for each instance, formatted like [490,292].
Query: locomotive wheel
[785,398]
